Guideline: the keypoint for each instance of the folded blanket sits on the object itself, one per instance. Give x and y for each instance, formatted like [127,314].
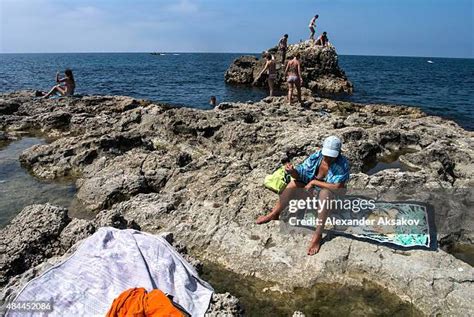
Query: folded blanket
[106,264]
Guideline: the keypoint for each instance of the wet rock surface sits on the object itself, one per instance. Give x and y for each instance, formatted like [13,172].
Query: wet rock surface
[199,175]
[319,66]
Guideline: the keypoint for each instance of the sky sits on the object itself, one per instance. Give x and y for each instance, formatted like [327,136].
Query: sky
[430,28]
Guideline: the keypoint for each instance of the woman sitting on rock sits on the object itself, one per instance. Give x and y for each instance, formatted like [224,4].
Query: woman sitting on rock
[327,171]
[65,86]
[294,79]
[270,68]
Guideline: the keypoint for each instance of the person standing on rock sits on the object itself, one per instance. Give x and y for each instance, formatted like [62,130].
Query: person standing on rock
[283,47]
[312,27]
[294,79]
[270,68]
[326,171]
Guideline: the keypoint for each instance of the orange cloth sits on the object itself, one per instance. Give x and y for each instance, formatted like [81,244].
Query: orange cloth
[136,302]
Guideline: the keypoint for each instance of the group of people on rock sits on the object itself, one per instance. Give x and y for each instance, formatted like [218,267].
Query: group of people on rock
[292,71]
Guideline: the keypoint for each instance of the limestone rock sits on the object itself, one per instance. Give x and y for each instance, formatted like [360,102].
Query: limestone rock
[320,69]
[224,305]
[199,175]
[31,237]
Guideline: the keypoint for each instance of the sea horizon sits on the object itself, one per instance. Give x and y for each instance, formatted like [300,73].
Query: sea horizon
[212,52]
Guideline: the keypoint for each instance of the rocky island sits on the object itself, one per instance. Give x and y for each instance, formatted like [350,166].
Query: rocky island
[320,69]
[199,174]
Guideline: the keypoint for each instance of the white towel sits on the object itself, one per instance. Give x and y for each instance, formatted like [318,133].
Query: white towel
[110,262]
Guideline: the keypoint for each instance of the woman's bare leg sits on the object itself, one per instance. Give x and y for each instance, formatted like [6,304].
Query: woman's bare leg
[56,88]
[290,192]
[290,92]
[298,90]
[271,83]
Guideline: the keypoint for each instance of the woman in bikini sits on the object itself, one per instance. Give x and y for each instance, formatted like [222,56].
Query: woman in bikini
[270,68]
[294,79]
[65,86]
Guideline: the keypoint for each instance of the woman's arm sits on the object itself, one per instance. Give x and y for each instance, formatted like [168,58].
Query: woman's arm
[57,77]
[263,70]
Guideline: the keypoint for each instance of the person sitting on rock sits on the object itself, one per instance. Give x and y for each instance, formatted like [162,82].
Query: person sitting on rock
[322,40]
[65,86]
[270,68]
[283,47]
[327,171]
[312,26]
[294,79]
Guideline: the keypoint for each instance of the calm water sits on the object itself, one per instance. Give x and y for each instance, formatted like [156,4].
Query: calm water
[444,87]
[19,189]
[320,300]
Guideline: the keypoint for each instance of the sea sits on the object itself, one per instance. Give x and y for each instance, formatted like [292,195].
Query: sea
[439,86]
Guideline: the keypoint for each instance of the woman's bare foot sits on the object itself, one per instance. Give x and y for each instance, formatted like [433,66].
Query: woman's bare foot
[315,244]
[267,218]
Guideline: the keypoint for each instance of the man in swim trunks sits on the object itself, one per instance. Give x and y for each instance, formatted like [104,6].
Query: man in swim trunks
[283,47]
[270,68]
[312,26]
[294,79]
[326,170]
[322,39]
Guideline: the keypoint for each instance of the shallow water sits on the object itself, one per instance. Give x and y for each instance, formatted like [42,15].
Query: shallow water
[464,252]
[388,161]
[321,300]
[19,189]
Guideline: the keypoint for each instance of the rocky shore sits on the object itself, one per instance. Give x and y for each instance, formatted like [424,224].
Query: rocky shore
[199,175]
[320,69]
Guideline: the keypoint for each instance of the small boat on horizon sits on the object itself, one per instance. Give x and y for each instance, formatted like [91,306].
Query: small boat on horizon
[430,62]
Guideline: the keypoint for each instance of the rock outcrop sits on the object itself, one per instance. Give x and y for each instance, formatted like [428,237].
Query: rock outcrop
[199,174]
[320,69]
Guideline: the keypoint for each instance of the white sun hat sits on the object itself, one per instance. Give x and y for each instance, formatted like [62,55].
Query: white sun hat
[332,146]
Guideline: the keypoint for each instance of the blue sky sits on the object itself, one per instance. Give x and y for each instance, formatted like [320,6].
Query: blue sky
[360,27]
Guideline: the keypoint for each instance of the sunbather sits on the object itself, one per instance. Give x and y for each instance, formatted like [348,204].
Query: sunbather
[327,171]
[65,86]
